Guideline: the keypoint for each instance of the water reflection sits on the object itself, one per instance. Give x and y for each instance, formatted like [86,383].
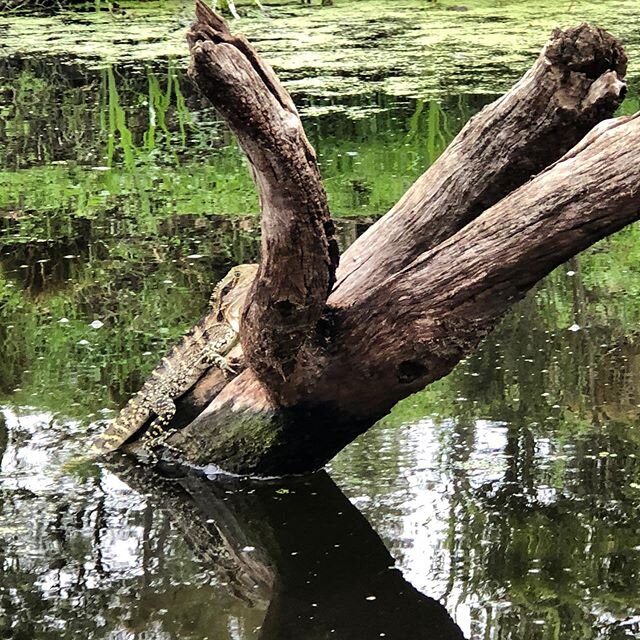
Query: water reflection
[139,143]
[521,536]
[87,556]
[537,445]
[320,565]
[119,550]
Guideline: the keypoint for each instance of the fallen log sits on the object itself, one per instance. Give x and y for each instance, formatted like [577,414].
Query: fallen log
[414,327]
[421,288]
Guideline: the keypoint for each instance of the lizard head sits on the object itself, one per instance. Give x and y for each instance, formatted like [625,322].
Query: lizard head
[232,293]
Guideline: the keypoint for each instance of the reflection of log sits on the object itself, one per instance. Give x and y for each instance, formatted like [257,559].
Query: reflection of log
[431,278]
[216,538]
[310,551]
[332,566]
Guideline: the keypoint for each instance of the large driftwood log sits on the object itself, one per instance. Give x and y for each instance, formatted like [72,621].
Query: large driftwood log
[426,283]
[415,326]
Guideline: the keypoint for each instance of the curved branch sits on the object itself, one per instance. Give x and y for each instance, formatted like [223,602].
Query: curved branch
[299,250]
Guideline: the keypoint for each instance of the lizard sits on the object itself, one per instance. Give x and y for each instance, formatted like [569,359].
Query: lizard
[205,345]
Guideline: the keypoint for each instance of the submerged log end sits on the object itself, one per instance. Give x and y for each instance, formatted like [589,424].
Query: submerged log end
[243,432]
[234,430]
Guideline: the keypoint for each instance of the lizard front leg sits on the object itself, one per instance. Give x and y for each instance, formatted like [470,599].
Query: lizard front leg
[222,363]
[216,350]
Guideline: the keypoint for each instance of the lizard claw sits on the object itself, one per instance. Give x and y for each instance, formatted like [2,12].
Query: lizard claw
[227,368]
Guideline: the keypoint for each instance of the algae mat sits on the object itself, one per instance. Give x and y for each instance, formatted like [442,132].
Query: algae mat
[405,48]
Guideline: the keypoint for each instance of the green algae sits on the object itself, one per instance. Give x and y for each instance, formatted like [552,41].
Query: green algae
[404,48]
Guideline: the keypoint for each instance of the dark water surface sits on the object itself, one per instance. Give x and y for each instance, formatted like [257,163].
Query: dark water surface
[500,503]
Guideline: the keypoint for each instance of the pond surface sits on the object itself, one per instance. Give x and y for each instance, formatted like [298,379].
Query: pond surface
[501,503]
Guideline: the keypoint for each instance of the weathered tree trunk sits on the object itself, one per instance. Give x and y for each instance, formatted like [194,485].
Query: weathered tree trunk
[420,289]
[299,250]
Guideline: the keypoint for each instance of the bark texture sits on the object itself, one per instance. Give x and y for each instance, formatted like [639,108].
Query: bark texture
[414,327]
[299,249]
[574,84]
[421,288]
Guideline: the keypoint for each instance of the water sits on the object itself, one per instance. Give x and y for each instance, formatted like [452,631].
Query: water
[505,498]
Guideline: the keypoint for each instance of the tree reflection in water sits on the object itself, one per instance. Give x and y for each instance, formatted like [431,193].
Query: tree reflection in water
[304,549]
